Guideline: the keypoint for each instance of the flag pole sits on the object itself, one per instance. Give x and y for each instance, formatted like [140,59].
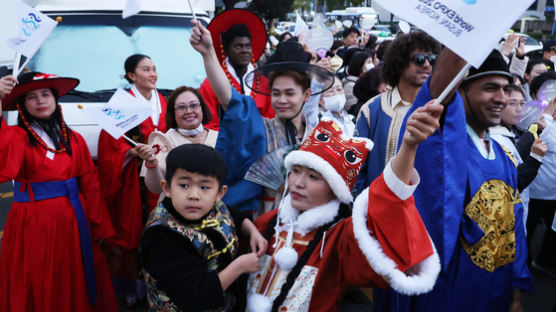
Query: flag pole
[17,59]
[192,12]
[22,67]
[129,140]
[453,83]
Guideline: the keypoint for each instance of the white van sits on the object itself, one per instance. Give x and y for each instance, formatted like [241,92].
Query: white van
[92,42]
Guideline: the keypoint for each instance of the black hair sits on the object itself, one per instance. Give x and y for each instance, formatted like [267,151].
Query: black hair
[518,78]
[196,158]
[366,87]
[515,88]
[356,62]
[52,126]
[237,30]
[382,47]
[372,42]
[351,30]
[343,212]
[398,53]
[349,54]
[283,36]
[539,80]
[534,62]
[131,64]
[336,45]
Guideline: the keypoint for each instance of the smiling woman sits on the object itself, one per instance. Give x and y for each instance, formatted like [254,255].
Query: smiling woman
[186,116]
[244,134]
[118,162]
[57,219]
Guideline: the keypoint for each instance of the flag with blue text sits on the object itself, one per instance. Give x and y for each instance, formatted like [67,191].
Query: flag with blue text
[470,28]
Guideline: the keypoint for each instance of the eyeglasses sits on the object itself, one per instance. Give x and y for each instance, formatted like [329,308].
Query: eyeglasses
[420,58]
[183,108]
[516,103]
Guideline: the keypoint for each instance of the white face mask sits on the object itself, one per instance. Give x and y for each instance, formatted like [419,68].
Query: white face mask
[553,59]
[369,66]
[334,103]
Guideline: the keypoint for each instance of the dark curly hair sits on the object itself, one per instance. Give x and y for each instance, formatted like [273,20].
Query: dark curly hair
[396,57]
[171,106]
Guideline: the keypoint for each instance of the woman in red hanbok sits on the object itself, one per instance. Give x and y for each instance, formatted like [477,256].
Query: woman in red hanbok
[126,197]
[50,259]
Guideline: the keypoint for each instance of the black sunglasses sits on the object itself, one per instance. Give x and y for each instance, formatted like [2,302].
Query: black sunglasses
[420,58]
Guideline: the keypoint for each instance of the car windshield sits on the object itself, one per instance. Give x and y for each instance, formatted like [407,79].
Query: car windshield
[531,41]
[93,48]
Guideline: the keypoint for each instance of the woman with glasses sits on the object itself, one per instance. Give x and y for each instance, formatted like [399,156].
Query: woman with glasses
[186,115]
[506,135]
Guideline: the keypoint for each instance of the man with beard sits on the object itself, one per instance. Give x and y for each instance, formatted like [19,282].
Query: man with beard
[239,38]
[408,62]
[468,197]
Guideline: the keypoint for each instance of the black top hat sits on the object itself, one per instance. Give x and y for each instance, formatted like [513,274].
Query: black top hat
[290,55]
[494,65]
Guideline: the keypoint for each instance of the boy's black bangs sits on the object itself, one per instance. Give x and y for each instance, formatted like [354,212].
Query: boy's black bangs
[196,158]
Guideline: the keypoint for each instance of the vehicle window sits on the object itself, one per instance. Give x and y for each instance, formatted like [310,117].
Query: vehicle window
[96,46]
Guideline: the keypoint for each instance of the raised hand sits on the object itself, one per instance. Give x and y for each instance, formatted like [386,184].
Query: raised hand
[7,84]
[200,38]
[539,147]
[422,123]
[509,45]
[325,63]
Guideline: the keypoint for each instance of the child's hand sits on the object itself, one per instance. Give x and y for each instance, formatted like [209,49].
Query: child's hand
[248,263]
[422,123]
[258,243]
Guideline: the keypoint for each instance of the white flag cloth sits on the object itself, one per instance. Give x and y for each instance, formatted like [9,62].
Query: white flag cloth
[300,26]
[122,113]
[34,28]
[470,28]
[132,7]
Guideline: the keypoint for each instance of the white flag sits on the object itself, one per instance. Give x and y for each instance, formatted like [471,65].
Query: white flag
[34,28]
[132,7]
[470,28]
[122,113]
[300,26]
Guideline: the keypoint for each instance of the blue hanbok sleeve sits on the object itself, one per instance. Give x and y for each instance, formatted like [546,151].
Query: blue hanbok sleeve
[522,278]
[362,130]
[440,162]
[241,141]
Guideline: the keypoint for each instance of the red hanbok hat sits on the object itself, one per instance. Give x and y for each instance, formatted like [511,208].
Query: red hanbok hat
[35,80]
[221,23]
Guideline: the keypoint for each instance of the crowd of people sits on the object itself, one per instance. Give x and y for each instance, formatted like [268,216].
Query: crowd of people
[373,182]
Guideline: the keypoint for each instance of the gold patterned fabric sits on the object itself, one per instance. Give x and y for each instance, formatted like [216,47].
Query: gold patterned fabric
[220,220]
[492,209]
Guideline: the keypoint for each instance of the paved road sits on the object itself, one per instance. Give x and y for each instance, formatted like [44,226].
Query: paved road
[542,299]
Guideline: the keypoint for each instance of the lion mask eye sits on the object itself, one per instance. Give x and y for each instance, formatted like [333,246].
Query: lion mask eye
[321,136]
[351,157]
